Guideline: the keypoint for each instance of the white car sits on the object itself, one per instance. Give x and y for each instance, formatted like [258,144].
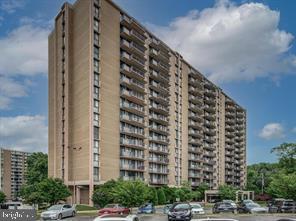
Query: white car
[58,212]
[196,208]
[117,217]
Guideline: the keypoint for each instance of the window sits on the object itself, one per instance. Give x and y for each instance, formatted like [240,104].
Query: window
[96,66]
[96,38]
[96,52]
[96,133]
[96,117]
[96,103]
[96,79]
[96,25]
[97,12]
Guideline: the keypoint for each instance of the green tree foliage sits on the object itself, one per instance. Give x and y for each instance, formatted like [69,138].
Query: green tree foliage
[227,192]
[131,193]
[184,193]
[49,190]
[283,186]
[37,168]
[287,156]
[2,197]
[153,196]
[161,196]
[201,189]
[53,190]
[258,172]
[103,194]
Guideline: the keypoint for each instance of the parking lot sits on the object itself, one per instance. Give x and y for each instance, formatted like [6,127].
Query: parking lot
[158,217]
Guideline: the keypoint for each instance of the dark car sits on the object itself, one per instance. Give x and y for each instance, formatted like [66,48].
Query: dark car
[146,208]
[282,206]
[252,208]
[222,207]
[180,212]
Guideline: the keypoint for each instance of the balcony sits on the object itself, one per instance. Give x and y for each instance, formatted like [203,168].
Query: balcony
[192,174]
[133,108]
[230,135]
[133,84]
[159,77]
[132,132]
[133,47]
[210,132]
[159,108]
[159,55]
[195,108]
[160,66]
[209,124]
[133,72]
[208,169]
[230,108]
[195,141]
[131,155]
[157,149]
[158,181]
[210,147]
[195,100]
[195,91]
[196,83]
[210,101]
[210,117]
[132,167]
[195,124]
[131,23]
[159,119]
[158,139]
[159,160]
[132,144]
[195,150]
[159,129]
[133,96]
[158,170]
[209,154]
[133,60]
[195,158]
[230,114]
[193,166]
[159,87]
[195,133]
[210,93]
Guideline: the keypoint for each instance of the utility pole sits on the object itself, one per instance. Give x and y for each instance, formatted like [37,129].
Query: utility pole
[262,183]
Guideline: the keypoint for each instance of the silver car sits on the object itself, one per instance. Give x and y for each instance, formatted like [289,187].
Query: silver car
[58,212]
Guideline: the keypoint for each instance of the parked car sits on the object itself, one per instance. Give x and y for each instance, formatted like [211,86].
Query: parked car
[196,208]
[282,206]
[252,208]
[286,219]
[166,208]
[146,208]
[58,212]
[180,212]
[274,205]
[288,206]
[114,209]
[117,217]
[247,201]
[231,202]
[224,207]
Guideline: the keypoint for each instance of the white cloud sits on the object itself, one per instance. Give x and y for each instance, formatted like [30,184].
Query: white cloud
[10,6]
[231,42]
[9,88]
[24,51]
[272,131]
[27,133]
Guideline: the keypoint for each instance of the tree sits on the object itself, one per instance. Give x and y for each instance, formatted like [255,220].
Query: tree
[37,168]
[227,192]
[103,194]
[131,193]
[2,197]
[202,189]
[283,186]
[53,190]
[161,196]
[259,175]
[31,194]
[153,195]
[287,156]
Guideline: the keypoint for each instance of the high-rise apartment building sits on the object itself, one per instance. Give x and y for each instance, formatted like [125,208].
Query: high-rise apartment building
[13,167]
[123,104]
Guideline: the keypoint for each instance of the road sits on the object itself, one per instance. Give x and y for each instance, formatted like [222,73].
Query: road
[237,217]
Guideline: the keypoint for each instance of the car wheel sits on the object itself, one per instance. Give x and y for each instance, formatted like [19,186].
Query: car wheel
[60,217]
[73,214]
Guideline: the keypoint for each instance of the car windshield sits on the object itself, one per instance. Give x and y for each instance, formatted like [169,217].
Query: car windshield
[181,207]
[253,205]
[196,206]
[110,206]
[55,207]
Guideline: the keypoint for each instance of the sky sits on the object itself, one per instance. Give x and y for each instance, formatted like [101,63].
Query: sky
[245,47]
